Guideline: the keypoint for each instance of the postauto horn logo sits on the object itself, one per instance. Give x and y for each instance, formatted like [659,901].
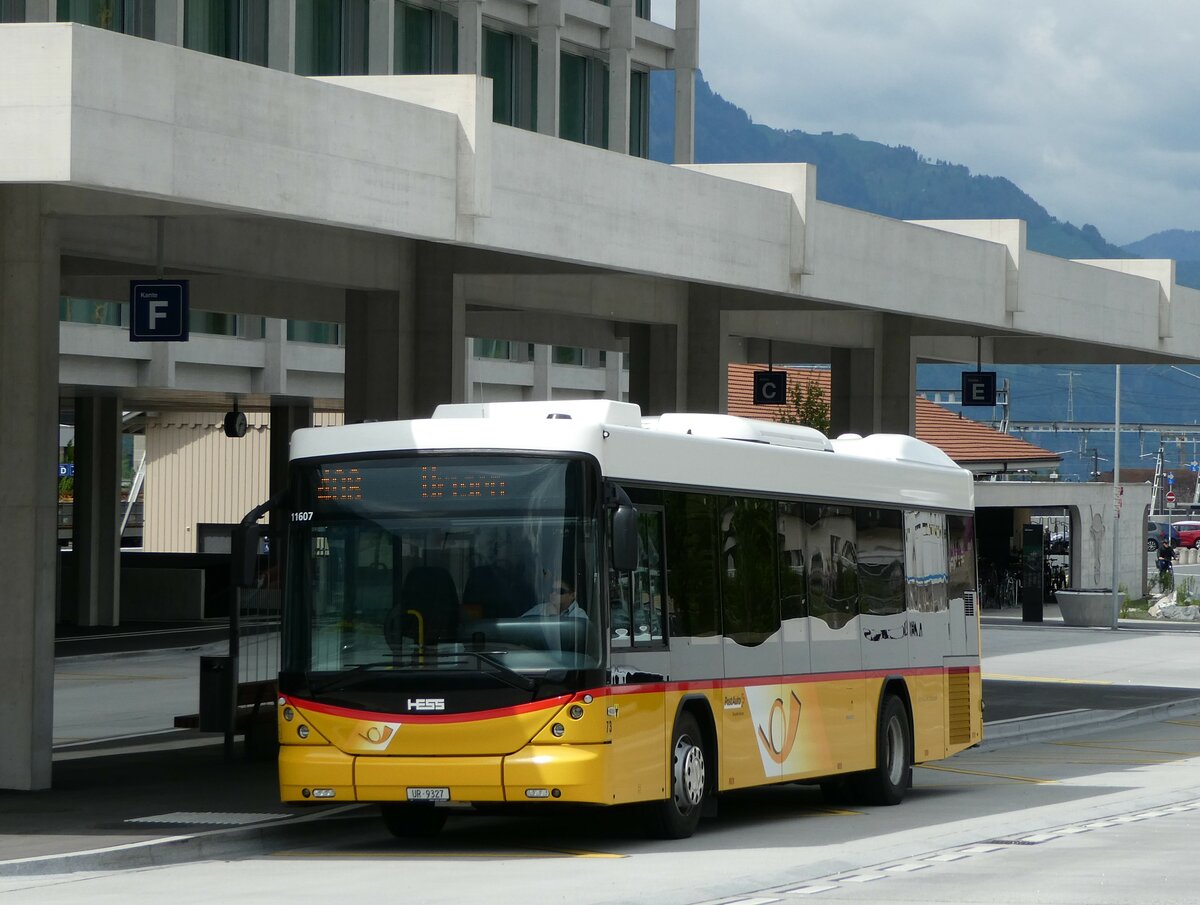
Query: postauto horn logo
[776,728]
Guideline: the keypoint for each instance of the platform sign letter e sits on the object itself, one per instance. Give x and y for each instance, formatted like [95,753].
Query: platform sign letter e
[158,311]
[979,388]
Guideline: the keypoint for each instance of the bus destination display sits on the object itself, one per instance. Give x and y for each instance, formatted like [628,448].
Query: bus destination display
[438,485]
[340,484]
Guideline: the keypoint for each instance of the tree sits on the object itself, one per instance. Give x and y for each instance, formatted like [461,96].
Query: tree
[806,405]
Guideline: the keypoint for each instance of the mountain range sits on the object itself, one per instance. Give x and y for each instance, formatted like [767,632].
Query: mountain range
[895,181]
[898,182]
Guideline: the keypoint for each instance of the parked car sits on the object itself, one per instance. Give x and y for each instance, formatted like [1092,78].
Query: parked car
[1156,533]
[1189,532]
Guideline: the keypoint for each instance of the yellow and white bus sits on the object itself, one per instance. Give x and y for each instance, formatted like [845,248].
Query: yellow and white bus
[565,602]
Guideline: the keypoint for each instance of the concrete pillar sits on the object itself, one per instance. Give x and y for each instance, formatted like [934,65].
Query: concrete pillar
[541,372]
[273,381]
[29,279]
[549,37]
[40,10]
[687,61]
[854,379]
[898,377]
[406,350]
[97,516]
[381,37]
[378,355]
[708,352]
[287,416]
[612,375]
[656,377]
[440,328]
[620,54]
[470,37]
[168,21]
[281,35]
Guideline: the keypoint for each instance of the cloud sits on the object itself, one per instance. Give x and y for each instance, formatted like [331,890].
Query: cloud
[1088,106]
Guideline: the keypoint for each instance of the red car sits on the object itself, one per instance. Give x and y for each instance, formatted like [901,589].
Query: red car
[1189,533]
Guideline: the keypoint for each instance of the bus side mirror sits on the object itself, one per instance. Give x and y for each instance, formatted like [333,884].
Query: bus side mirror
[243,551]
[624,539]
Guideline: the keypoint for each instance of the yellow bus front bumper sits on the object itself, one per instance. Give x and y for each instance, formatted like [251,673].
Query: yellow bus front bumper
[537,772]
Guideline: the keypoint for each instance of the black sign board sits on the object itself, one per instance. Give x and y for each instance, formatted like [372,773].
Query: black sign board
[979,388]
[770,387]
[159,310]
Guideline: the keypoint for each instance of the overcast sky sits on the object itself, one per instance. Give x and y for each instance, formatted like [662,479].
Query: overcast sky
[1092,107]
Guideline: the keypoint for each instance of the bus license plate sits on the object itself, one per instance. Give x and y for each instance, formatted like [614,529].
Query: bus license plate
[426,793]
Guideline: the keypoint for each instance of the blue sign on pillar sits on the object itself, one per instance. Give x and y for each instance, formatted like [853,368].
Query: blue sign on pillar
[158,310]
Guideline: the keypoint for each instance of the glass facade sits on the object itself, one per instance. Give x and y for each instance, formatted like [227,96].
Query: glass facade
[583,100]
[500,349]
[567,355]
[89,311]
[133,17]
[236,29]
[639,113]
[12,10]
[331,37]
[426,41]
[313,332]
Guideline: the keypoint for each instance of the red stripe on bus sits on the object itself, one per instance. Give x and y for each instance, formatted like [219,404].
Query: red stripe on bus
[473,716]
[637,688]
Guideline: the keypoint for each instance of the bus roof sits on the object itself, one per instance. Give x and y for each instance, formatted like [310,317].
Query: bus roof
[697,450]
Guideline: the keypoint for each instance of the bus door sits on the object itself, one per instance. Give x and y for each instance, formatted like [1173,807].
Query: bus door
[838,711]
[881,588]
[758,721]
[926,572]
[638,656]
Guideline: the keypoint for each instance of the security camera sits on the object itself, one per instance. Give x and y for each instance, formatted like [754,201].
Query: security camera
[235,424]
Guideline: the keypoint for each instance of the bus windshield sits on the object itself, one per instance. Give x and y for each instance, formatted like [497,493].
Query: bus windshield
[476,567]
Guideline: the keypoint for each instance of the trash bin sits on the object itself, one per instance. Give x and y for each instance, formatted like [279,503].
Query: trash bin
[215,693]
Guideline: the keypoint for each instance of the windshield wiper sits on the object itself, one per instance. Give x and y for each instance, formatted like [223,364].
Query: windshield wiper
[350,677]
[499,670]
[417,660]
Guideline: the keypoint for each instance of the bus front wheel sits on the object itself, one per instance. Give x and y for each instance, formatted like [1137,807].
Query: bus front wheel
[412,821]
[680,813]
[887,783]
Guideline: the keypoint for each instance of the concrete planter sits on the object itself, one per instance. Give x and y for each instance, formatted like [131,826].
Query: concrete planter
[1088,607]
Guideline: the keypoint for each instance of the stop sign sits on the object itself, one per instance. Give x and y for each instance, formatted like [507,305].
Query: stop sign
[1170,497]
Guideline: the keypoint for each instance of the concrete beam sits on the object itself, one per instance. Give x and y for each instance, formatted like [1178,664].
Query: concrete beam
[605,296]
[538,327]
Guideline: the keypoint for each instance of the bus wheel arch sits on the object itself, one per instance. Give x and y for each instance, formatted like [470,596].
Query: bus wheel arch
[891,777]
[691,771]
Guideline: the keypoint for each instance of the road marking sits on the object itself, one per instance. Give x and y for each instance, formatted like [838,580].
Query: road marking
[809,890]
[451,855]
[1028,779]
[1102,746]
[1000,677]
[1183,722]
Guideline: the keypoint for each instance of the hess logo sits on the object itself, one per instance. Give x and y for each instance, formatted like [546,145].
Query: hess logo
[426,705]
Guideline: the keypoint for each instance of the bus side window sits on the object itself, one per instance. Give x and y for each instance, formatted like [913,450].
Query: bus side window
[649,597]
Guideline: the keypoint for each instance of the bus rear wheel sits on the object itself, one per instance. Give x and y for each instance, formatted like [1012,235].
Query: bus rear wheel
[887,783]
[405,820]
[678,816]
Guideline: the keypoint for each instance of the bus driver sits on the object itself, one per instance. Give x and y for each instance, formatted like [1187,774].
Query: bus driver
[560,601]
